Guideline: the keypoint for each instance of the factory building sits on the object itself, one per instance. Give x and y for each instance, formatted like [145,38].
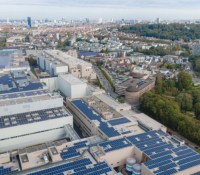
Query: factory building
[148,153]
[71,86]
[56,62]
[13,60]
[29,113]
[103,116]
[58,157]
[155,152]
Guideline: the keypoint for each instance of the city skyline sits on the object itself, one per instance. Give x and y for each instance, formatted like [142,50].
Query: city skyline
[117,9]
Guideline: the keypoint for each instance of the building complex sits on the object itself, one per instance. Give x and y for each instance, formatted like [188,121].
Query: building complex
[61,125]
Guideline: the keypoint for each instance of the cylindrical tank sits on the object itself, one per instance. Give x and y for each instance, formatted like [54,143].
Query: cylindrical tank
[137,169]
[129,164]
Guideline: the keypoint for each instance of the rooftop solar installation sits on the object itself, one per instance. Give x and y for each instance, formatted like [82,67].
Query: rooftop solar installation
[4,171]
[31,117]
[22,94]
[72,152]
[18,82]
[166,156]
[92,115]
[115,144]
[119,121]
[78,167]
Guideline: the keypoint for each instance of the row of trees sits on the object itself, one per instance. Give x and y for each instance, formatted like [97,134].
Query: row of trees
[165,31]
[154,51]
[182,91]
[175,103]
[167,111]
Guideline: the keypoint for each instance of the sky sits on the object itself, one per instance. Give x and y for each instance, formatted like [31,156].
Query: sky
[106,9]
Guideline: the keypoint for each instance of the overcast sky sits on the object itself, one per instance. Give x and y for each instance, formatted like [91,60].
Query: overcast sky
[106,9]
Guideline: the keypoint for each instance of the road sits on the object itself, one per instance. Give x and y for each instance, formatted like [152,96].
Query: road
[104,82]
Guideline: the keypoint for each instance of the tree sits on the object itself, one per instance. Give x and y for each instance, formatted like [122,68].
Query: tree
[159,85]
[185,101]
[197,110]
[166,111]
[184,81]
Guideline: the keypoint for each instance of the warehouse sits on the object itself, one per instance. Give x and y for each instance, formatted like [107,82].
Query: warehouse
[71,86]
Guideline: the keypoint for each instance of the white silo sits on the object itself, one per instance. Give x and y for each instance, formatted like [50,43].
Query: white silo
[129,164]
[136,169]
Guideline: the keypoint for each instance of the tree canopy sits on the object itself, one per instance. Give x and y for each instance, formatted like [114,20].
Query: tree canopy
[165,31]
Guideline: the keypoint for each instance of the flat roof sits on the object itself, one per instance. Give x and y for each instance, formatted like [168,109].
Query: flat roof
[111,102]
[22,94]
[167,156]
[92,115]
[71,79]
[32,117]
[18,81]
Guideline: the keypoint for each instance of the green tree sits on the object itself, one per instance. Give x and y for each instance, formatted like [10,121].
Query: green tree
[185,101]
[159,85]
[197,110]
[184,81]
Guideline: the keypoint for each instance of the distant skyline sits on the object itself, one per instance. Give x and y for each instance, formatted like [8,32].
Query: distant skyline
[106,9]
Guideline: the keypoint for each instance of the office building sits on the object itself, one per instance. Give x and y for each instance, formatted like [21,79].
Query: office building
[137,88]
[29,23]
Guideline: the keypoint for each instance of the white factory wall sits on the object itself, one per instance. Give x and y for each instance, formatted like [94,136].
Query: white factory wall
[31,106]
[51,83]
[48,66]
[78,91]
[30,128]
[72,90]
[40,62]
[32,139]
[60,69]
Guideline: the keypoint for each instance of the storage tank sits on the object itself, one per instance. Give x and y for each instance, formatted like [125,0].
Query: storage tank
[136,169]
[129,164]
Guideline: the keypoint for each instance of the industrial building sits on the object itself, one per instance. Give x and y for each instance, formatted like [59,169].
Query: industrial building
[103,116]
[29,113]
[13,60]
[59,157]
[149,153]
[71,86]
[37,135]
[55,62]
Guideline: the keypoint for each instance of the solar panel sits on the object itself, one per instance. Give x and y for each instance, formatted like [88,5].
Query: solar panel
[31,117]
[119,121]
[92,115]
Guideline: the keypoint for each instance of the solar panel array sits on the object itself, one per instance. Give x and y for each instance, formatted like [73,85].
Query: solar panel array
[166,157]
[32,117]
[72,152]
[119,121]
[18,83]
[78,167]
[4,171]
[115,145]
[92,115]
[22,94]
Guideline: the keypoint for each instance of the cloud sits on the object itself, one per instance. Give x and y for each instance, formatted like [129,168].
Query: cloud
[109,3]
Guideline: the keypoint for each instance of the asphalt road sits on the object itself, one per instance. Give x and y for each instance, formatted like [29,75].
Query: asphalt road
[104,82]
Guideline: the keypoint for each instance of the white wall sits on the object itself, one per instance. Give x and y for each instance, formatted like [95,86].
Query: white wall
[78,91]
[51,83]
[70,89]
[60,69]
[30,140]
[31,106]
[25,135]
